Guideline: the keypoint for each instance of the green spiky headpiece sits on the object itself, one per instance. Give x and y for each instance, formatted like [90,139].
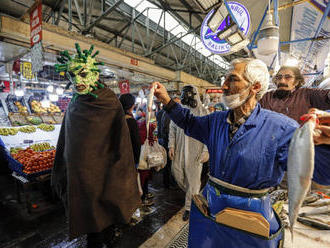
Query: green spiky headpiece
[82,70]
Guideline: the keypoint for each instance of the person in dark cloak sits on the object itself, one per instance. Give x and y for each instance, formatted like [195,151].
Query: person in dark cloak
[93,170]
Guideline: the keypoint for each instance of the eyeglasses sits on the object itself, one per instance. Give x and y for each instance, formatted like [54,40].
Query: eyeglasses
[286,77]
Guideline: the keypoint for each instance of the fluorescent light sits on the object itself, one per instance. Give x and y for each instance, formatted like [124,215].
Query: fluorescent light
[206,5]
[59,91]
[45,103]
[231,30]
[235,38]
[239,46]
[19,92]
[53,97]
[50,88]
[291,62]
[138,100]
[217,18]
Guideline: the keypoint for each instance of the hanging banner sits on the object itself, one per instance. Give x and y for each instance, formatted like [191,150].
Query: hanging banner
[36,38]
[124,86]
[211,40]
[5,86]
[305,21]
[35,25]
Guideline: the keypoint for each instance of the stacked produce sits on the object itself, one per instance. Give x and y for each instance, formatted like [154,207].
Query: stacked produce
[53,109]
[36,107]
[41,147]
[33,161]
[35,120]
[27,129]
[8,131]
[63,103]
[46,127]
[14,150]
[21,108]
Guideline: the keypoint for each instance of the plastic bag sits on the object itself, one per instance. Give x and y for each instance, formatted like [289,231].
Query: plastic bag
[152,156]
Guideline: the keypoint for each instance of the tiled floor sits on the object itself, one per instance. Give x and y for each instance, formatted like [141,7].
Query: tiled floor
[20,230]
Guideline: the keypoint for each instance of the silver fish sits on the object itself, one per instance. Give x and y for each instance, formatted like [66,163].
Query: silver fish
[300,168]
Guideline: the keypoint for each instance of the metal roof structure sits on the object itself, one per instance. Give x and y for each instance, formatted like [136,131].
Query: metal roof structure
[166,31]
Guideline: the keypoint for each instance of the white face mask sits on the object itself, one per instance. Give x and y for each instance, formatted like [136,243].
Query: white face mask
[234,101]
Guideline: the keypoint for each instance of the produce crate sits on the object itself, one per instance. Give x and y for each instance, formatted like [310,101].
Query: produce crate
[47,118]
[18,168]
[34,119]
[17,119]
[58,117]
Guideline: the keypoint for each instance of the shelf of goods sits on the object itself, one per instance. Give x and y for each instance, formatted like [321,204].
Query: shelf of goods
[16,104]
[32,148]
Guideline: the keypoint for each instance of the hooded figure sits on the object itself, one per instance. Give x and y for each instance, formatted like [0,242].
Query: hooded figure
[94,171]
[187,153]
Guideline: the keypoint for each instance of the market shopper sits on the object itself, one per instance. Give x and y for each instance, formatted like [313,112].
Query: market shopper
[128,102]
[248,149]
[94,170]
[187,154]
[290,98]
[294,101]
[146,175]
[163,129]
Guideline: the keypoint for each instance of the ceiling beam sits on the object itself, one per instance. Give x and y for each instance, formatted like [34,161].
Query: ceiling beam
[107,12]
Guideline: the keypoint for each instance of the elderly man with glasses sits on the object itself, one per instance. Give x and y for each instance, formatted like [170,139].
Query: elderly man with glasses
[294,101]
[290,98]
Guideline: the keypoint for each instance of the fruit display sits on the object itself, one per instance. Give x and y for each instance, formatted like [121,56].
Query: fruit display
[47,119]
[27,129]
[33,161]
[63,103]
[46,127]
[35,120]
[16,104]
[8,131]
[58,117]
[53,109]
[14,150]
[17,119]
[21,109]
[41,147]
[36,107]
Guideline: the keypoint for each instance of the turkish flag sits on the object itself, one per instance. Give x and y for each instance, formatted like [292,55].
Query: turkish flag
[124,86]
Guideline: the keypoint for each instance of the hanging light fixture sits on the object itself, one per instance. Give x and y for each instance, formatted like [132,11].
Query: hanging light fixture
[269,36]
[219,15]
[59,91]
[45,103]
[19,92]
[207,5]
[50,88]
[53,97]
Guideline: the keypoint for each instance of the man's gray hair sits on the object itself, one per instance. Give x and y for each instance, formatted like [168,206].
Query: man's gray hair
[255,71]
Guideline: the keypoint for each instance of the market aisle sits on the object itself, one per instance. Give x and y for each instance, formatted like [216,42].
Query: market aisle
[50,230]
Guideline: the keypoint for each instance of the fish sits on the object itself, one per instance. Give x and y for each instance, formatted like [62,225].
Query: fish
[316,211]
[150,102]
[313,223]
[300,168]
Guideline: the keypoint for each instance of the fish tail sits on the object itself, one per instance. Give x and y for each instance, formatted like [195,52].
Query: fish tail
[291,231]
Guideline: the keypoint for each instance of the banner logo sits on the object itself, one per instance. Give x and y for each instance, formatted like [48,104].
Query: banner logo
[211,41]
